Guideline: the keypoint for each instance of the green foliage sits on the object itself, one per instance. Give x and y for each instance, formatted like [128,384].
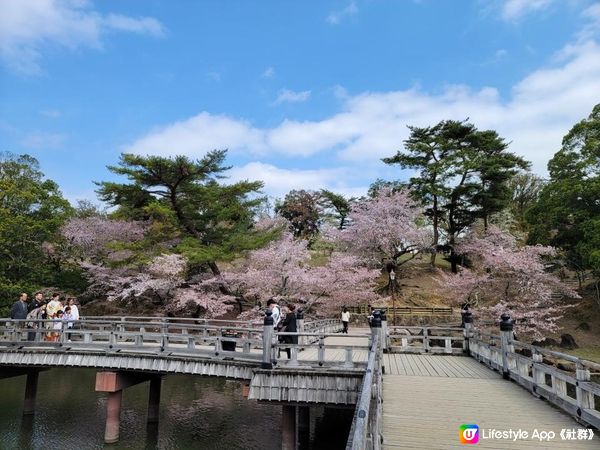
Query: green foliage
[463,174]
[567,214]
[184,203]
[335,207]
[32,210]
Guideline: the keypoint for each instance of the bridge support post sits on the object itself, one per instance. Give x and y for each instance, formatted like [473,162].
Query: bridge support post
[506,336]
[288,428]
[468,331]
[154,399]
[268,332]
[30,391]
[303,428]
[113,417]
[114,383]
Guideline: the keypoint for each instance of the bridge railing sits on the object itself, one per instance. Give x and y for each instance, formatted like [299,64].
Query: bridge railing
[155,336]
[529,365]
[404,310]
[317,352]
[134,337]
[180,320]
[367,425]
[401,339]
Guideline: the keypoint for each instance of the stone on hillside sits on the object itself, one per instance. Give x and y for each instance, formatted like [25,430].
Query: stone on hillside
[567,341]
[584,326]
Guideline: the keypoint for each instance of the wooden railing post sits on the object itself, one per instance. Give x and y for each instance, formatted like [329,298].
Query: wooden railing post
[467,319]
[585,399]
[267,340]
[384,332]
[376,328]
[506,333]
[300,325]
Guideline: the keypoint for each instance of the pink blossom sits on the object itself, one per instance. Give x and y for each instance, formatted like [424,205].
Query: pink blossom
[508,278]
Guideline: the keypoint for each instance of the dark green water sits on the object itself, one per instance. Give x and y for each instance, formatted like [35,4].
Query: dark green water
[196,413]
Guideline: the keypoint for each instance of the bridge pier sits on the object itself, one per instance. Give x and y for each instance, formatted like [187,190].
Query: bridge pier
[114,383]
[30,385]
[30,391]
[303,427]
[113,417]
[288,428]
[154,399]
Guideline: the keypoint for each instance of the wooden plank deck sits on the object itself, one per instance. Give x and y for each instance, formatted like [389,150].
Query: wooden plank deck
[427,397]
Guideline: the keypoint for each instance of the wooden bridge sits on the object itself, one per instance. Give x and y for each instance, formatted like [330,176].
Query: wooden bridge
[433,379]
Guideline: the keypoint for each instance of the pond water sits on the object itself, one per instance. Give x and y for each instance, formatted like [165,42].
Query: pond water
[195,413]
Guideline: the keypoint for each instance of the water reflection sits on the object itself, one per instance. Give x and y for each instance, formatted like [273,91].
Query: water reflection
[195,412]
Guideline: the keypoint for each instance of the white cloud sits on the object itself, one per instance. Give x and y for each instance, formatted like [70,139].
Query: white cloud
[335,17]
[592,27]
[279,181]
[27,27]
[198,135]
[513,10]
[539,111]
[288,96]
[42,140]
[269,72]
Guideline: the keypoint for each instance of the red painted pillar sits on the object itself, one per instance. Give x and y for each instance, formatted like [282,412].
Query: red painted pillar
[113,417]
[154,399]
[30,392]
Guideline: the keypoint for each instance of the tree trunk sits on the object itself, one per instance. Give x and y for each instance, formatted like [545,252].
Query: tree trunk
[436,233]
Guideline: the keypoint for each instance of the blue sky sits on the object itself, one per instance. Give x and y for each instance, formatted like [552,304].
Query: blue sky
[304,94]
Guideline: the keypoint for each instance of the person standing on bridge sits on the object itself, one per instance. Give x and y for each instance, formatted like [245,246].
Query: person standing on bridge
[38,300]
[19,308]
[289,325]
[275,310]
[345,319]
[54,305]
[74,311]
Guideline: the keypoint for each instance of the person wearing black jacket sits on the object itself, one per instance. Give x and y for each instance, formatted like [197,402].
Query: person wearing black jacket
[38,300]
[289,325]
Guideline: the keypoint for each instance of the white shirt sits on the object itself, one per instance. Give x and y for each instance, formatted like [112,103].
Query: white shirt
[276,315]
[346,316]
[74,312]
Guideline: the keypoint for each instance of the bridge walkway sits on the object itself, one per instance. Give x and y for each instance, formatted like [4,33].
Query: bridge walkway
[427,398]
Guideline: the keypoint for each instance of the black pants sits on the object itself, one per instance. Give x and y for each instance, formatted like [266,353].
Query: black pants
[345,325]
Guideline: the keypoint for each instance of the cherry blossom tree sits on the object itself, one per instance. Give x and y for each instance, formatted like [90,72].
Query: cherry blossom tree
[506,277]
[382,230]
[91,235]
[284,270]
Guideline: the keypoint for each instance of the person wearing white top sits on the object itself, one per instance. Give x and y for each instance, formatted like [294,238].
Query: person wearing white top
[275,310]
[74,311]
[345,319]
